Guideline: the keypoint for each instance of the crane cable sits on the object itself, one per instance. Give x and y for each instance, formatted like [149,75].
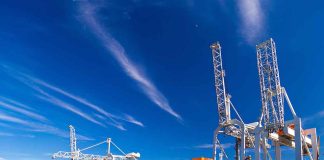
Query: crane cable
[242,122]
[118,148]
[92,146]
[121,150]
[103,143]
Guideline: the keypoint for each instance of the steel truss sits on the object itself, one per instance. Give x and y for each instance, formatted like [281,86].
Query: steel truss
[77,154]
[232,127]
[271,130]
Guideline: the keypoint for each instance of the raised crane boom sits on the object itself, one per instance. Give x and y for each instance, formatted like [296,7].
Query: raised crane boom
[271,91]
[74,152]
[232,127]
[223,102]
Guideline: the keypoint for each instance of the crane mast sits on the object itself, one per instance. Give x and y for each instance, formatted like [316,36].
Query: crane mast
[223,100]
[232,127]
[73,143]
[271,90]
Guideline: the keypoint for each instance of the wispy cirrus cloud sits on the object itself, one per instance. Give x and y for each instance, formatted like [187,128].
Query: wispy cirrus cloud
[6,134]
[57,102]
[85,102]
[318,116]
[209,146]
[16,103]
[22,111]
[1,158]
[88,14]
[42,87]
[39,127]
[252,19]
[205,146]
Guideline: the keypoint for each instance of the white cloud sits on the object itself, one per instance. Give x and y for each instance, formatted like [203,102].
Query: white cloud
[5,134]
[15,103]
[23,111]
[55,101]
[252,19]
[1,158]
[38,127]
[209,146]
[318,116]
[118,52]
[133,120]
[85,102]
[38,86]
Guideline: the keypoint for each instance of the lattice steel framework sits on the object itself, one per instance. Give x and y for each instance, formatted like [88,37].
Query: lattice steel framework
[77,154]
[271,91]
[222,98]
[73,146]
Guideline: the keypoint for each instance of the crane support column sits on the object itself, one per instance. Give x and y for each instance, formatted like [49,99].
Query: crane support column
[277,150]
[242,150]
[298,139]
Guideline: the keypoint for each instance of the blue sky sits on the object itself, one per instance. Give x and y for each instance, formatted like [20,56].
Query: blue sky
[140,71]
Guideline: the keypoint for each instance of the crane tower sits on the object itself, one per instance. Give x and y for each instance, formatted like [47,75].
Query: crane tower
[222,98]
[232,127]
[271,92]
[74,152]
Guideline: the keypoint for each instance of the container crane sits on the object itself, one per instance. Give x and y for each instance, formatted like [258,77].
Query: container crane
[228,126]
[76,154]
[275,128]
[272,125]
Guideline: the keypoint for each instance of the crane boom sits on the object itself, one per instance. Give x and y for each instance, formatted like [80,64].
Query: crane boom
[271,90]
[223,103]
[74,152]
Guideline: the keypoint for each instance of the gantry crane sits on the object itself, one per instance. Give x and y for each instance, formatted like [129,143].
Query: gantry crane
[275,128]
[271,126]
[228,126]
[76,154]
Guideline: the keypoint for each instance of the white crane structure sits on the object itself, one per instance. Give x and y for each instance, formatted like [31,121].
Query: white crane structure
[275,128]
[76,154]
[232,127]
[271,126]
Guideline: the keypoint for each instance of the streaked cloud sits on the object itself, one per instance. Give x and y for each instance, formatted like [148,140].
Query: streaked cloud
[5,134]
[117,125]
[88,14]
[318,116]
[14,102]
[1,158]
[204,146]
[131,119]
[252,19]
[85,102]
[57,102]
[39,127]
[12,119]
[209,146]
[42,87]
[22,111]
